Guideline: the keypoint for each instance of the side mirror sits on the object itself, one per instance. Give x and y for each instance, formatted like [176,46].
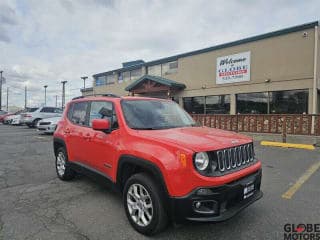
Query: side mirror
[101,125]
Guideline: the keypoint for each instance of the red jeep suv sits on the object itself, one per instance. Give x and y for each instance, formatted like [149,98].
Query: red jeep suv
[166,167]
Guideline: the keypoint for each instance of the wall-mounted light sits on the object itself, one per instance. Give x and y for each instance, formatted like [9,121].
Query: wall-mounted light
[267,80]
[204,87]
[304,34]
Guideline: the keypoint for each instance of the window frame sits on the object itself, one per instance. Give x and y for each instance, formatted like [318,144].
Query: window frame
[113,110]
[69,116]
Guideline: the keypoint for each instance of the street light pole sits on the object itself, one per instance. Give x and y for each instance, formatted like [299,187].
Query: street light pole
[84,82]
[63,94]
[1,89]
[25,97]
[45,95]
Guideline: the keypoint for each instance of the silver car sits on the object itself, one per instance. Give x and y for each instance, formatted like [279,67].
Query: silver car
[31,119]
[48,125]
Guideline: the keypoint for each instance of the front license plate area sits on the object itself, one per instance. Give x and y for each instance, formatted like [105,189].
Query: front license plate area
[248,190]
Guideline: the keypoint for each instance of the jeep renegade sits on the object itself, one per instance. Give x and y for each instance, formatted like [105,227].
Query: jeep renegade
[166,166]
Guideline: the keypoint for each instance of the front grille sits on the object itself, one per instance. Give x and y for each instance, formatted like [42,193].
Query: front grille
[45,123]
[235,157]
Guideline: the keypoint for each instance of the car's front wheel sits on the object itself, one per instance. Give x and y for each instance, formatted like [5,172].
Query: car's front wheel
[144,204]
[64,171]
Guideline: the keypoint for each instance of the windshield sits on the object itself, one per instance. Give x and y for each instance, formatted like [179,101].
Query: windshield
[155,114]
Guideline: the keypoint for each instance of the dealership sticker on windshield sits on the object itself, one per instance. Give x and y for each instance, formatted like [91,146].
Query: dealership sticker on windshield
[248,191]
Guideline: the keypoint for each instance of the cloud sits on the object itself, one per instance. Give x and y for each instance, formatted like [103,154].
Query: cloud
[45,42]
[7,20]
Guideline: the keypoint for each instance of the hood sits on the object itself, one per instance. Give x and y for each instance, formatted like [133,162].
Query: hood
[197,138]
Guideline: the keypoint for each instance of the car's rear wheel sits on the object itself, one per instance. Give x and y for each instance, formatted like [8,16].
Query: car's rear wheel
[34,123]
[63,170]
[144,204]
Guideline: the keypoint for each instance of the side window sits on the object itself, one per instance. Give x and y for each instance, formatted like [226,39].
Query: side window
[57,110]
[102,110]
[79,113]
[47,110]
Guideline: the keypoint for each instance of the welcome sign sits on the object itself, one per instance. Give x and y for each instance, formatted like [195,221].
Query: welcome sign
[233,68]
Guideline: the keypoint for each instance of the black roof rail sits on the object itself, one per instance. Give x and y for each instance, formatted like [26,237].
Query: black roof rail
[77,97]
[94,95]
[111,95]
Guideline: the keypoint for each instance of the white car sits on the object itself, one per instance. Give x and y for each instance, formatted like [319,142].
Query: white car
[48,125]
[31,119]
[15,120]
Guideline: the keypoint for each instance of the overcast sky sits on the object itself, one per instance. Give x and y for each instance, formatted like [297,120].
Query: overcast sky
[43,42]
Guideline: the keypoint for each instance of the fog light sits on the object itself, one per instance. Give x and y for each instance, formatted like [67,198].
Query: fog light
[205,206]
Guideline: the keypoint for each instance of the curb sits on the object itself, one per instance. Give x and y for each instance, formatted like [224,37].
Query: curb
[287,145]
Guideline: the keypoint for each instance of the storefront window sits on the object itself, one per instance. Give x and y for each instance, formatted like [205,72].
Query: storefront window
[252,103]
[194,104]
[154,70]
[217,104]
[295,101]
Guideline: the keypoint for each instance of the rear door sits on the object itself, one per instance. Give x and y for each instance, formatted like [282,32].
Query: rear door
[76,131]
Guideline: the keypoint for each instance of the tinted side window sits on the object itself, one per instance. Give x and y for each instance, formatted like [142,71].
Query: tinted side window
[103,110]
[79,113]
[57,110]
[47,110]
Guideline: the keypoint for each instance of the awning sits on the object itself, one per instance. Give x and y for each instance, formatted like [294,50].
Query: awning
[148,83]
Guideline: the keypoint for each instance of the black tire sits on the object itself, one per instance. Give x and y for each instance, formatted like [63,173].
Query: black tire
[159,219]
[68,173]
[34,123]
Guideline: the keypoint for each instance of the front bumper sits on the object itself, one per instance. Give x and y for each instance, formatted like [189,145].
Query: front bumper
[225,201]
[47,128]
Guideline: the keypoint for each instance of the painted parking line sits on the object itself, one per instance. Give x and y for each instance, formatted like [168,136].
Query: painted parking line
[287,145]
[307,174]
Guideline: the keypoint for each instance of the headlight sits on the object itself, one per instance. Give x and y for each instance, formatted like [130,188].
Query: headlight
[201,161]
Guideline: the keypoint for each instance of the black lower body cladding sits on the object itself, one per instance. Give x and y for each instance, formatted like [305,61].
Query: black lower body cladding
[217,204]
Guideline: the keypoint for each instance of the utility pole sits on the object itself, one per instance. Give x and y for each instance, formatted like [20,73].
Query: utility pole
[63,94]
[45,95]
[56,100]
[25,97]
[7,99]
[84,83]
[1,89]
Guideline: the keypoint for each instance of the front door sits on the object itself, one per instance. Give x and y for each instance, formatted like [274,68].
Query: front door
[101,147]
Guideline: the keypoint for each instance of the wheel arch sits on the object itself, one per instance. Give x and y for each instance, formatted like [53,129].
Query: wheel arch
[57,143]
[129,165]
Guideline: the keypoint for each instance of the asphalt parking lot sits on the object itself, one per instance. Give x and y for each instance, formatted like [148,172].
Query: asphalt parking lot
[34,204]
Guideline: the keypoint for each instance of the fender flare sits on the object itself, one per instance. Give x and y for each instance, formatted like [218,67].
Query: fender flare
[145,164]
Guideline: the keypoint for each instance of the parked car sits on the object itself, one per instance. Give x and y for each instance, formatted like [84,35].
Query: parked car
[3,114]
[165,165]
[8,117]
[48,125]
[32,118]
[16,120]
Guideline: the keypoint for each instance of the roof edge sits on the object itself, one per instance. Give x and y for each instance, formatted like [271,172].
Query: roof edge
[217,47]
